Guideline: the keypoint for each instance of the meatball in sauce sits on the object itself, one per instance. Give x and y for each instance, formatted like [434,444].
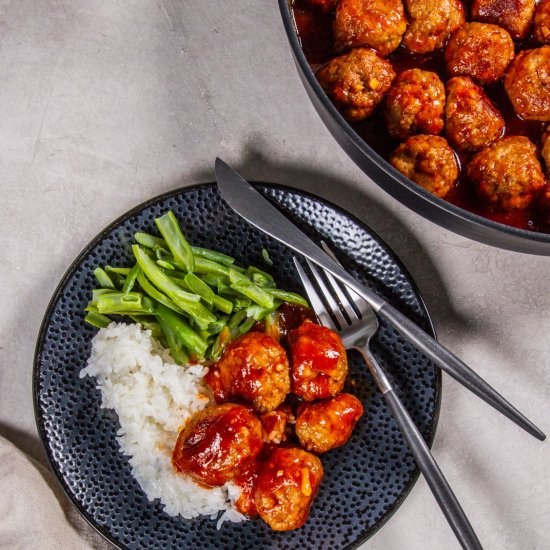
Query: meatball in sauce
[319,362]
[357,82]
[287,484]
[508,173]
[255,369]
[472,121]
[541,23]
[415,104]
[377,24]
[218,443]
[480,51]
[527,84]
[431,23]
[513,15]
[429,161]
[327,424]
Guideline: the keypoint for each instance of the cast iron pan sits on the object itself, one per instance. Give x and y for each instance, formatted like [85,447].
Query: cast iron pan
[392,181]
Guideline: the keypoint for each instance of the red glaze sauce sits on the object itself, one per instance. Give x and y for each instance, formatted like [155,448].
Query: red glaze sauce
[218,444]
[316,36]
[247,481]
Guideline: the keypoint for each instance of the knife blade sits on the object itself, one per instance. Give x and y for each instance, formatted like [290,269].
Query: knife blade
[251,205]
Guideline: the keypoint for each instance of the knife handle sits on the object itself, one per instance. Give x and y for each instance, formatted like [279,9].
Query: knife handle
[452,365]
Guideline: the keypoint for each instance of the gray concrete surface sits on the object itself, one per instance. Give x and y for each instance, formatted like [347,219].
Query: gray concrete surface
[105,104]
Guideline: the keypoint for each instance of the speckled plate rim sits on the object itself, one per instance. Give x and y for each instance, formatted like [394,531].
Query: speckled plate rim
[173,194]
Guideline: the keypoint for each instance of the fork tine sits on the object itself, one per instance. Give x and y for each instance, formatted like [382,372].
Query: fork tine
[362,306]
[343,297]
[313,297]
[333,307]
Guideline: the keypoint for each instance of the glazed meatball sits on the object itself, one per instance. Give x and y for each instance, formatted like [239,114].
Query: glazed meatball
[324,5]
[471,120]
[357,82]
[480,51]
[507,174]
[324,425]
[319,362]
[527,84]
[429,162]
[545,149]
[218,443]
[378,24]
[275,422]
[255,369]
[514,15]
[247,482]
[415,104]
[287,484]
[431,23]
[541,23]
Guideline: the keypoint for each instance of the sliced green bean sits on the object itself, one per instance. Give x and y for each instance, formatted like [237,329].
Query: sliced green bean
[189,338]
[177,243]
[174,343]
[120,270]
[266,258]
[219,345]
[189,303]
[236,319]
[131,279]
[125,304]
[259,312]
[196,285]
[213,255]
[166,265]
[204,266]
[149,241]
[260,277]
[97,320]
[247,325]
[157,295]
[285,296]
[254,292]
[103,279]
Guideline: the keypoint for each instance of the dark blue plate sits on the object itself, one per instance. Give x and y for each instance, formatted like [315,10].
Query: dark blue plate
[365,481]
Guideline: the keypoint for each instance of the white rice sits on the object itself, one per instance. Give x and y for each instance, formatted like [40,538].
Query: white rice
[153,398]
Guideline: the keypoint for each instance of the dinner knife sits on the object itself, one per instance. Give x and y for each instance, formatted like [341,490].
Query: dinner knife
[251,205]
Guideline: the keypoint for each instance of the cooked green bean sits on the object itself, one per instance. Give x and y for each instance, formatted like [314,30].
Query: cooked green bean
[177,243]
[149,241]
[285,296]
[103,279]
[131,279]
[125,304]
[157,295]
[213,255]
[189,338]
[97,320]
[204,266]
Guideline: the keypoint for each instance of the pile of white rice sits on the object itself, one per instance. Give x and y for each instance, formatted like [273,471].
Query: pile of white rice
[153,398]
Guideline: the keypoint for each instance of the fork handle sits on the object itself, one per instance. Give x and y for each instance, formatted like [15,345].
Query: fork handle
[436,480]
[428,466]
[452,365]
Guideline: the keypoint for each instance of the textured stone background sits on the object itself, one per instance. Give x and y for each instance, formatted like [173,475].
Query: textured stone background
[105,104]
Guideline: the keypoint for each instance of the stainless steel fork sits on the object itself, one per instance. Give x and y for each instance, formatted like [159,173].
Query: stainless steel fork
[357,323]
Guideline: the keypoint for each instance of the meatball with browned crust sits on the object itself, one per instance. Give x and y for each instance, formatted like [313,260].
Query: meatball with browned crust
[327,424]
[357,82]
[255,369]
[471,120]
[527,84]
[415,104]
[218,443]
[287,484]
[507,174]
[431,23]
[378,24]
[545,149]
[513,15]
[480,51]
[319,362]
[429,162]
